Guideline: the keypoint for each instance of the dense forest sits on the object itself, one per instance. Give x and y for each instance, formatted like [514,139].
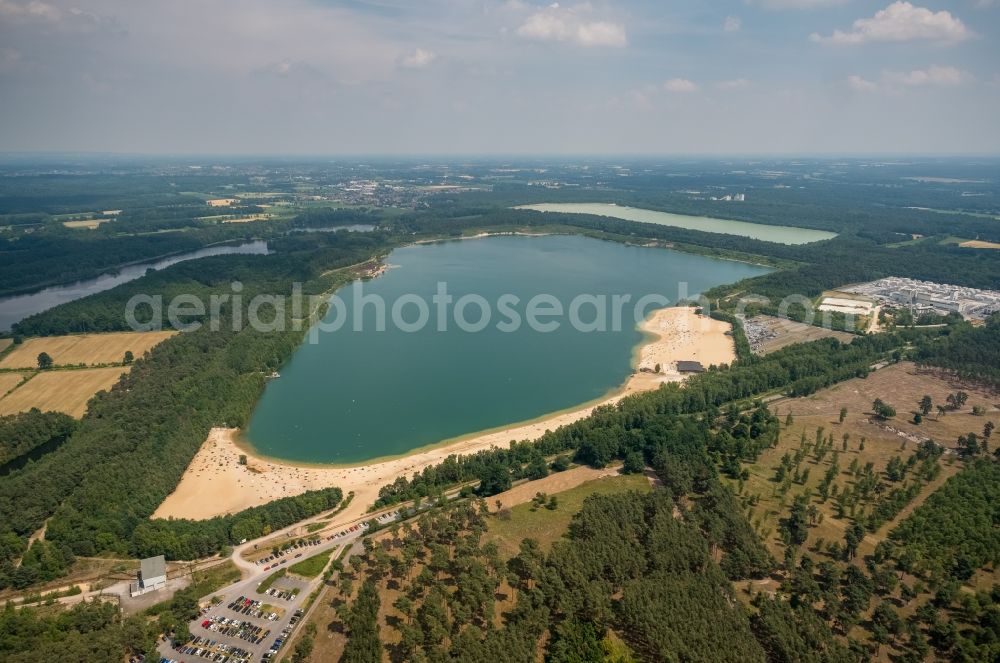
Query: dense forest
[954,532]
[970,352]
[22,433]
[87,632]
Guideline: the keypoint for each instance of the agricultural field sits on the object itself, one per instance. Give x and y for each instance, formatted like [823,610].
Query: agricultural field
[10,380]
[86,349]
[5,343]
[87,224]
[779,333]
[980,244]
[60,391]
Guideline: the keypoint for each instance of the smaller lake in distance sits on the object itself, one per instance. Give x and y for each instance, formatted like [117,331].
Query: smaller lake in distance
[354,396]
[18,307]
[766,233]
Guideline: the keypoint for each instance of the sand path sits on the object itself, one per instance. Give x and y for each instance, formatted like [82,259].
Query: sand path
[216,483]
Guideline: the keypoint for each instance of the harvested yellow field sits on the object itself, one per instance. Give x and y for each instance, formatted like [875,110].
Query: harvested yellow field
[221,202]
[5,342]
[980,244]
[89,224]
[8,381]
[88,349]
[60,391]
[249,218]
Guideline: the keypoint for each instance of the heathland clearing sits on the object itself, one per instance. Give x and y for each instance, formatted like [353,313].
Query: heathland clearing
[520,519]
[902,386]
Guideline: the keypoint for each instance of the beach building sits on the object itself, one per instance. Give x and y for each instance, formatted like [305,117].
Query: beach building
[152,576]
[690,367]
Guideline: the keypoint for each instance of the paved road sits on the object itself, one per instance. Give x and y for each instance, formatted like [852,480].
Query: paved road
[334,537]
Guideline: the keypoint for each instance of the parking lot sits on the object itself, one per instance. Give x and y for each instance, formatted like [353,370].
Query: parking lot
[247,626]
[244,627]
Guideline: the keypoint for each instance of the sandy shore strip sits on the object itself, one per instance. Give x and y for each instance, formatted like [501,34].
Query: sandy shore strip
[215,483]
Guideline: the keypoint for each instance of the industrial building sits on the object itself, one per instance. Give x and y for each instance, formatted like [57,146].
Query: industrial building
[928,297]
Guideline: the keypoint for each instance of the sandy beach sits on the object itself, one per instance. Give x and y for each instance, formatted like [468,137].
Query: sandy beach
[215,483]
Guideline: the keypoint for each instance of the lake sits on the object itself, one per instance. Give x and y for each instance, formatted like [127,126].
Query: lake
[358,395]
[767,233]
[17,307]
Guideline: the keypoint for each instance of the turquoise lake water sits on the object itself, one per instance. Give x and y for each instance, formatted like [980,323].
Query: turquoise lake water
[358,395]
[761,231]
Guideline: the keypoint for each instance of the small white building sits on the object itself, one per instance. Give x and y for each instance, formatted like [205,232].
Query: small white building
[152,576]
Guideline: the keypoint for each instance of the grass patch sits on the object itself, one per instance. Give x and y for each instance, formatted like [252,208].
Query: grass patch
[315,527]
[203,583]
[311,567]
[270,580]
[217,577]
[546,526]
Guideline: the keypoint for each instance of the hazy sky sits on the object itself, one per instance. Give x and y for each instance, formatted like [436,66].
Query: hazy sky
[500,76]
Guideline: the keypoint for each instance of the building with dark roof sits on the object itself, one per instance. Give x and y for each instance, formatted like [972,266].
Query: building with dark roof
[690,367]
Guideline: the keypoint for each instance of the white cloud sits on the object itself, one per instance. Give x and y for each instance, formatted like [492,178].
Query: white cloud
[732,24]
[935,76]
[735,84]
[680,85]
[860,84]
[942,76]
[568,24]
[418,59]
[901,21]
[601,33]
[30,10]
[49,16]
